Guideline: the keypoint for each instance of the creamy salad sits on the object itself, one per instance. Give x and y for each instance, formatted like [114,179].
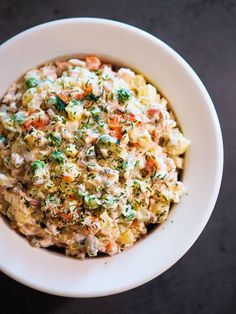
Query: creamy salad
[89,157]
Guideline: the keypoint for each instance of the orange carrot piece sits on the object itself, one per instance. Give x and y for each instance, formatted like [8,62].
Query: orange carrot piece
[92,62]
[118,133]
[113,121]
[151,164]
[40,121]
[132,117]
[68,178]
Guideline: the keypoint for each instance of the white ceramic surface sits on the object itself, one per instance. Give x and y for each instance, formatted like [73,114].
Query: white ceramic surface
[56,274]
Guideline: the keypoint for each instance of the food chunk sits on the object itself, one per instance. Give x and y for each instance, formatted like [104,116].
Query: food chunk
[90,155]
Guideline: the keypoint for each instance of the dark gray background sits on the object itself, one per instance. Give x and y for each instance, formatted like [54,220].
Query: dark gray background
[204,33]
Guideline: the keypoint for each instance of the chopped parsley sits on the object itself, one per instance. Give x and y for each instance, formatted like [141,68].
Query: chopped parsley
[123,95]
[91,97]
[98,72]
[90,152]
[122,165]
[129,213]
[60,105]
[54,139]
[95,111]
[91,201]
[75,102]
[27,203]
[106,140]
[104,109]
[59,119]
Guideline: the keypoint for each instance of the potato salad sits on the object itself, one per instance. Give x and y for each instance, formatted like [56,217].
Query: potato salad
[90,155]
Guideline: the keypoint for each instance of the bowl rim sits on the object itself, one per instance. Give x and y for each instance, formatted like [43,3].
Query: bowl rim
[220,153]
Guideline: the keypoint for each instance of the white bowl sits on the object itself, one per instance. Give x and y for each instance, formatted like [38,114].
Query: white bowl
[127,45]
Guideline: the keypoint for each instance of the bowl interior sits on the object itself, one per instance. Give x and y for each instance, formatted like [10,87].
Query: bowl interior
[134,48]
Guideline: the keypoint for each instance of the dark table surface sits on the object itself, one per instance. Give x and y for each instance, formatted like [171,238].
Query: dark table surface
[204,33]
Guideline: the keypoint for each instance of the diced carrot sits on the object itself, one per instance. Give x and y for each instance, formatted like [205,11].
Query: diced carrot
[113,121]
[114,124]
[68,178]
[67,95]
[79,96]
[109,246]
[92,62]
[139,123]
[151,164]
[40,121]
[118,133]
[87,90]
[64,97]
[136,223]
[132,117]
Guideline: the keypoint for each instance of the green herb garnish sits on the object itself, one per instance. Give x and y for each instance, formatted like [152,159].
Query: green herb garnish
[106,140]
[95,111]
[98,72]
[91,97]
[123,95]
[91,201]
[129,213]
[54,139]
[27,203]
[60,105]
[90,152]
